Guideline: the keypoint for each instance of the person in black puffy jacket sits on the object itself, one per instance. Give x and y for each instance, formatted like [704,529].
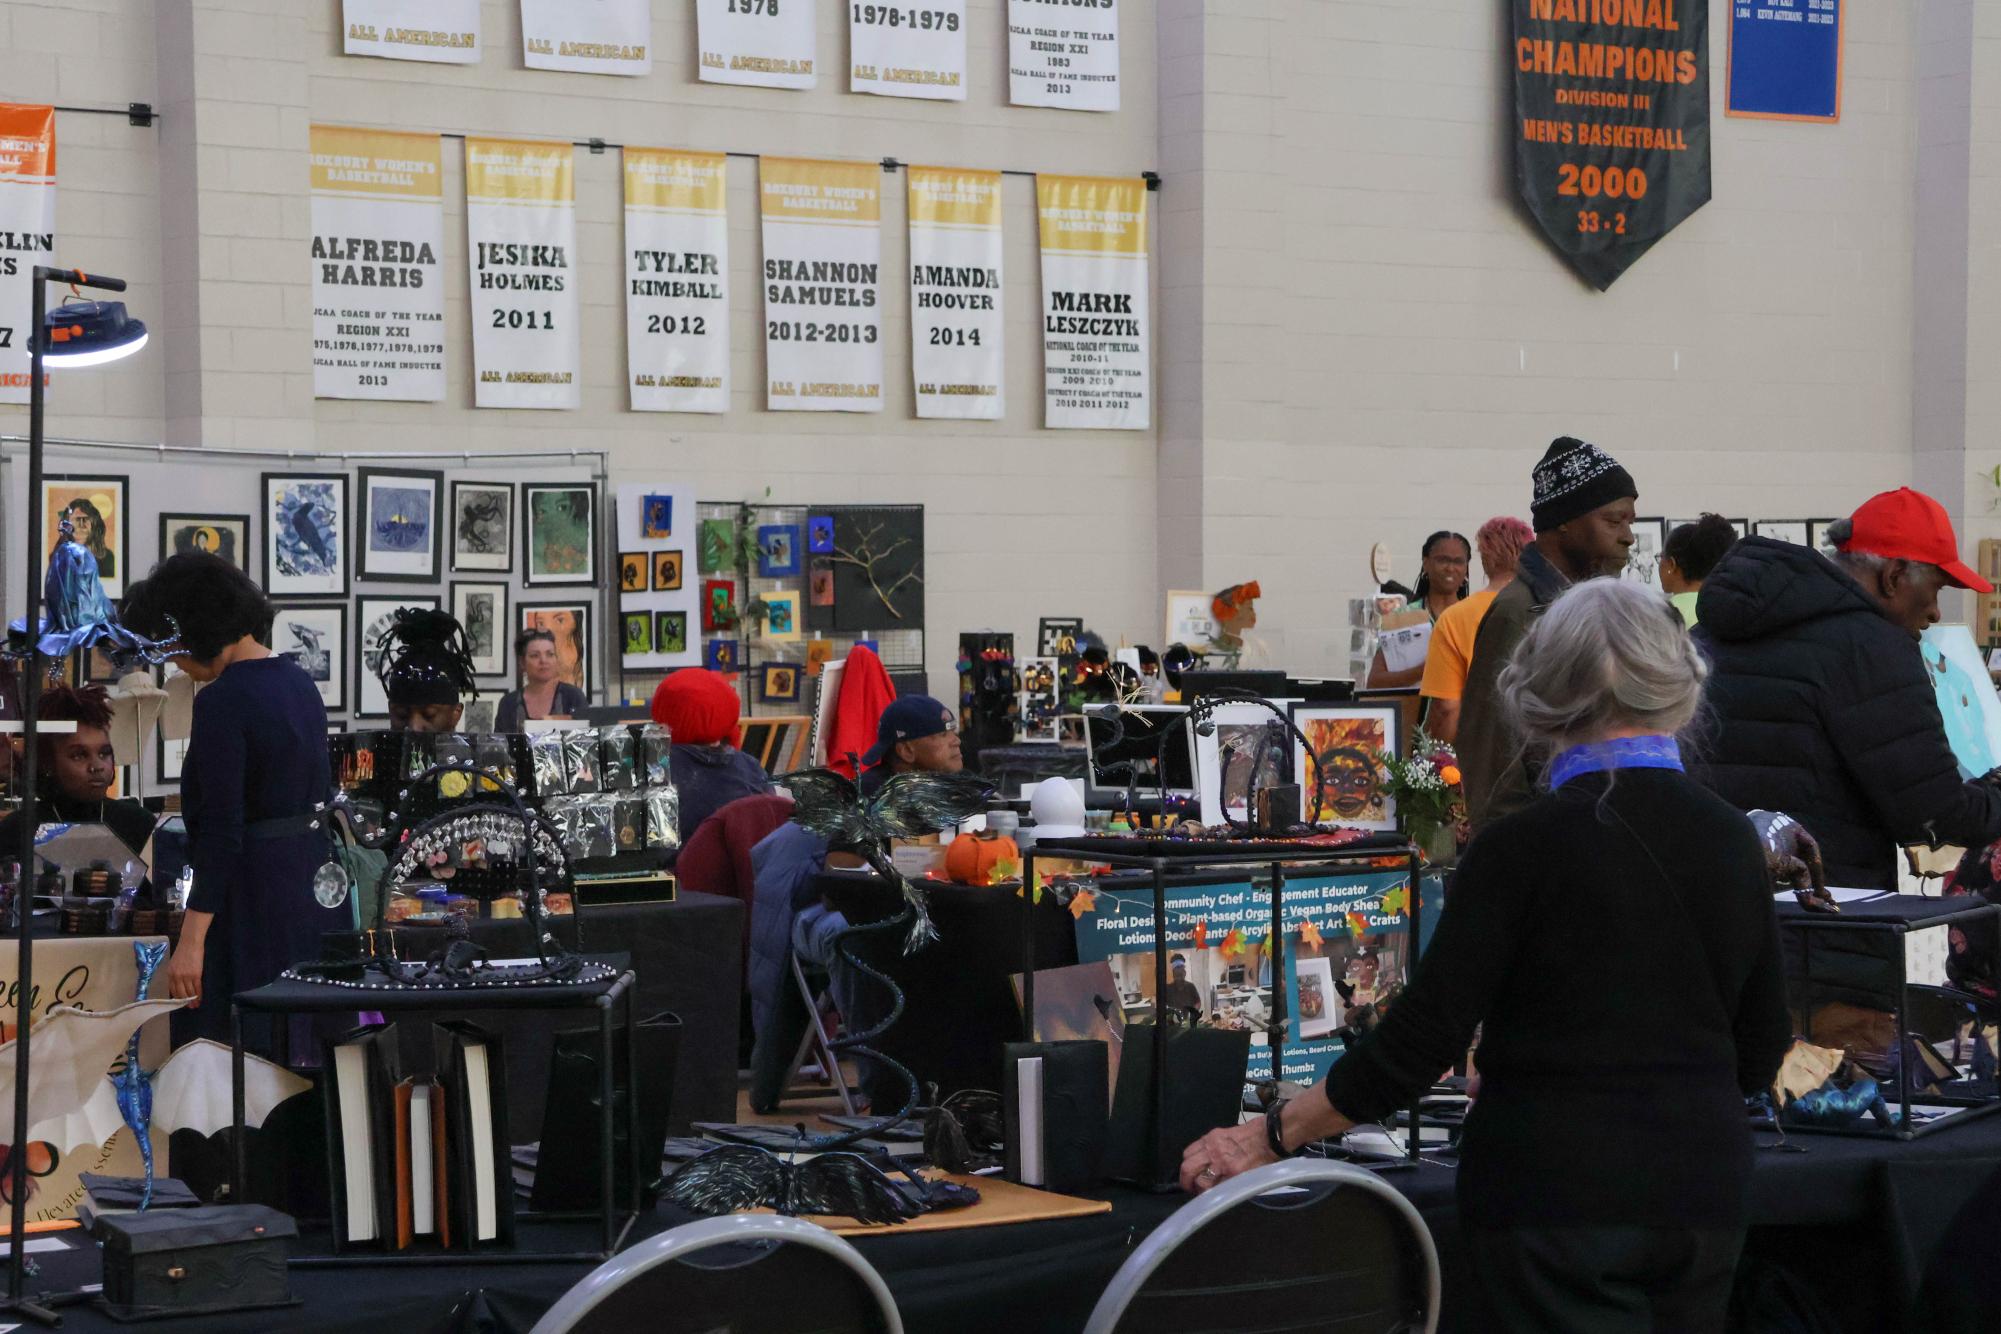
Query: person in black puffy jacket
[1822,705]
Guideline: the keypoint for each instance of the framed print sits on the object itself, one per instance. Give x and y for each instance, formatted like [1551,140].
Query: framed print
[715,546]
[820,584]
[777,550]
[1234,752]
[314,635]
[1816,535]
[1319,1002]
[482,515]
[168,757]
[401,514]
[224,535]
[1348,740]
[373,615]
[1056,636]
[96,509]
[638,633]
[656,517]
[632,571]
[1643,562]
[305,534]
[1190,619]
[559,526]
[718,605]
[781,616]
[779,683]
[720,655]
[666,571]
[570,623]
[819,652]
[481,610]
[1796,531]
[670,632]
[820,535]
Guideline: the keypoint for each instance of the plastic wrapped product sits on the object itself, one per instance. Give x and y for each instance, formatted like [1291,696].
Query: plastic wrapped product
[452,748]
[596,824]
[656,754]
[565,814]
[492,752]
[663,817]
[618,756]
[628,821]
[580,762]
[420,751]
[545,755]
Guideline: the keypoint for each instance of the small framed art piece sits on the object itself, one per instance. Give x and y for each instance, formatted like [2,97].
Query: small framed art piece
[718,605]
[666,571]
[781,616]
[559,526]
[1796,531]
[96,508]
[820,584]
[820,534]
[633,571]
[1056,636]
[656,517]
[482,516]
[1348,740]
[715,545]
[314,635]
[670,632]
[224,535]
[779,683]
[1816,535]
[305,534]
[402,515]
[481,609]
[777,550]
[1239,755]
[720,655]
[1643,560]
[570,623]
[638,633]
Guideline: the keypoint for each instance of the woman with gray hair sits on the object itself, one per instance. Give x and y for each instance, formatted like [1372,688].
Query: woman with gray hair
[1616,938]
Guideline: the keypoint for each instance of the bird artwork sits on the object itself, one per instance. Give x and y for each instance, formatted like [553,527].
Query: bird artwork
[311,534]
[733,1177]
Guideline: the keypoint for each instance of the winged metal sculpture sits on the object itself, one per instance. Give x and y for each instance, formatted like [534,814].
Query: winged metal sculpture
[741,1176]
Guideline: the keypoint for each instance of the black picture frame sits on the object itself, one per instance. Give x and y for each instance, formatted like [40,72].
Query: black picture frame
[278,537]
[386,567]
[333,686]
[236,526]
[501,662]
[369,608]
[587,577]
[469,553]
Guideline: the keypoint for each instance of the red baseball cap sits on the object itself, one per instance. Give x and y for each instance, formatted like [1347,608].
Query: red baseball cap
[1910,525]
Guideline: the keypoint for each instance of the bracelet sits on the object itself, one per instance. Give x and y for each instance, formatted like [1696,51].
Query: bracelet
[1275,1132]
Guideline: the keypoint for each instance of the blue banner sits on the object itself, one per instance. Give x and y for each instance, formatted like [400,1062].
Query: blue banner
[1785,59]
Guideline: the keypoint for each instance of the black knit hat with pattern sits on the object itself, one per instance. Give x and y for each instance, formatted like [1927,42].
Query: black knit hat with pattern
[1574,478]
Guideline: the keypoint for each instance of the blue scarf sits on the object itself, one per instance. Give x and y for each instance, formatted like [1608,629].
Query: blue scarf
[1632,752]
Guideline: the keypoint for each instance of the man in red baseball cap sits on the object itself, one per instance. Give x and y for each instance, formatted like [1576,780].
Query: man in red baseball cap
[1823,707]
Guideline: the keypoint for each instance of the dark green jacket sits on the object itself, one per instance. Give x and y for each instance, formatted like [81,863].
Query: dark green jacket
[1498,778]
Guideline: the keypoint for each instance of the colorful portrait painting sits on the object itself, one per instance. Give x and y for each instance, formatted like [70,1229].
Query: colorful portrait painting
[720,655]
[656,517]
[1347,742]
[569,622]
[718,605]
[781,615]
[561,531]
[95,508]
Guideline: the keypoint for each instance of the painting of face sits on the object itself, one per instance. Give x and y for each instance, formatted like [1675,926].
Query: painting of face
[568,622]
[1346,742]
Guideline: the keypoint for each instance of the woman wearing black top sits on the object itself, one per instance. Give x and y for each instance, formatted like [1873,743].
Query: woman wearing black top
[1617,940]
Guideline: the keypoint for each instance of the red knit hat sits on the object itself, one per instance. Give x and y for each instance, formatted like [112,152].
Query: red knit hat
[699,705]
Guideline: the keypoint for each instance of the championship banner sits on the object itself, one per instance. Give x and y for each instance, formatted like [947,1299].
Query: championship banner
[1611,124]
[677,308]
[521,229]
[444,32]
[378,290]
[1097,347]
[27,232]
[956,329]
[1063,53]
[598,37]
[766,43]
[822,299]
[909,50]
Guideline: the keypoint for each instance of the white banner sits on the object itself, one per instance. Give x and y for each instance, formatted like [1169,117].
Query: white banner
[521,232]
[822,292]
[445,32]
[1063,53]
[677,307]
[769,43]
[589,36]
[27,232]
[911,48]
[378,286]
[956,329]
[1097,344]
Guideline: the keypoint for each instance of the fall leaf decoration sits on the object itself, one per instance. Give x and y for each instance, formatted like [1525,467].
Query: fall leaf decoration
[1264,946]
[1233,944]
[1357,924]
[1081,902]
[1309,935]
[1003,870]
[1397,900]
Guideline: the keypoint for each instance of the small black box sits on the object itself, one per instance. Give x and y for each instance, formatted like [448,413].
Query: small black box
[196,1261]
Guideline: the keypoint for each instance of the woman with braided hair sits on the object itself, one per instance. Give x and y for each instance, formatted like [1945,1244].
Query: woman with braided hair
[426,664]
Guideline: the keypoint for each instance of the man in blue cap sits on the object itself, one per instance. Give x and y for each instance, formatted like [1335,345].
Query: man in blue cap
[916,734]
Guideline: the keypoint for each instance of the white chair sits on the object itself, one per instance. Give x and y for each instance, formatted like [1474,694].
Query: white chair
[777,1275]
[1334,1245]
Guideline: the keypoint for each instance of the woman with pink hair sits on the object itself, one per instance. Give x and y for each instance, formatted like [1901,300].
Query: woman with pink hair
[1500,542]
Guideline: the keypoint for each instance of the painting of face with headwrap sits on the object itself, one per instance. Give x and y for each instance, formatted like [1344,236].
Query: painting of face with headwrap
[95,509]
[1346,742]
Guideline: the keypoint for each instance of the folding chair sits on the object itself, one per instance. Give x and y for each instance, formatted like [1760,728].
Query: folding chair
[817,1041]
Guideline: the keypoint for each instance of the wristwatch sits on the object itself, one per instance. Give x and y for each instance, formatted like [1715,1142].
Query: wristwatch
[1275,1132]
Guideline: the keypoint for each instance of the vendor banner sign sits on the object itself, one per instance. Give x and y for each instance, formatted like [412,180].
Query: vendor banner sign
[378,294]
[766,43]
[443,32]
[597,37]
[521,232]
[1611,124]
[908,50]
[27,232]
[677,308]
[822,285]
[1063,53]
[956,329]
[1097,347]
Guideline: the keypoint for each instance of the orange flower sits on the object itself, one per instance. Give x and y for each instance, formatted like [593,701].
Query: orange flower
[1450,775]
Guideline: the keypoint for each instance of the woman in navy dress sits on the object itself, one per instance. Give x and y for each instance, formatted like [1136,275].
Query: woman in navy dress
[256,765]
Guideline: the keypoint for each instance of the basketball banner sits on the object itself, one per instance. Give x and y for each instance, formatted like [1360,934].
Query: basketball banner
[27,232]
[521,230]
[956,329]
[908,49]
[443,32]
[822,285]
[677,306]
[600,37]
[1063,53]
[766,43]
[1097,348]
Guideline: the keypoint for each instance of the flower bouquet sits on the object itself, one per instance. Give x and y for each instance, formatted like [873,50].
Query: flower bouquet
[1426,789]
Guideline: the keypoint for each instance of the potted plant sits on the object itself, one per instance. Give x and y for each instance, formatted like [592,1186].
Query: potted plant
[1427,790]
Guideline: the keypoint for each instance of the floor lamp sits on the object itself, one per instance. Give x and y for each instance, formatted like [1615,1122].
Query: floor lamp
[75,334]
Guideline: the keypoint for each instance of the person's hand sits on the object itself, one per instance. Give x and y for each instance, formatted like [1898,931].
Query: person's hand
[1792,856]
[1222,1154]
[184,972]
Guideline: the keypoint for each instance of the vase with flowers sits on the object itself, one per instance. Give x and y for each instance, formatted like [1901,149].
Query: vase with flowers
[1427,790]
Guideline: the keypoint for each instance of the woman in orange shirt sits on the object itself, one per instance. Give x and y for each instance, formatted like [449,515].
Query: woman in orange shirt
[1500,541]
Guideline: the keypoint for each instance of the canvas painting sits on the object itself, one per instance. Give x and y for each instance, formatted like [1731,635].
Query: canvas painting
[716,546]
[781,616]
[96,510]
[1346,740]
[819,652]
[224,535]
[666,571]
[373,617]
[638,633]
[481,610]
[777,550]
[780,683]
[670,632]
[632,571]
[401,515]
[820,534]
[570,623]
[878,561]
[305,534]
[718,605]
[314,635]
[483,527]
[561,533]
[1643,561]
[820,584]
[720,655]
[656,517]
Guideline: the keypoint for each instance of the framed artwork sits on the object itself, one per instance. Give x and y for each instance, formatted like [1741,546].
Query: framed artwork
[656,517]
[373,615]
[666,571]
[670,632]
[96,509]
[779,683]
[720,655]
[305,534]
[168,757]
[718,605]
[224,535]
[559,521]
[1816,535]
[570,623]
[314,635]
[878,562]
[1348,741]
[1190,618]
[777,550]
[1056,636]
[714,552]
[482,527]
[781,616]
[820,534]
[1233,754]
[819,652]
[1643,561]
[402,513]
[481,610]
[820,584]
[637,636]
[1796,531]
[632,571]
[1319,1002]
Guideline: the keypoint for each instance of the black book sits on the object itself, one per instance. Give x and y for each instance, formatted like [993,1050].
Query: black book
[567,1171]
[1055,1122]
[361,1073]
[479,1175]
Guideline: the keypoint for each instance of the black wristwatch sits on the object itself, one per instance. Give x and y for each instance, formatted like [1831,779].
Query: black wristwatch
[1275,1132]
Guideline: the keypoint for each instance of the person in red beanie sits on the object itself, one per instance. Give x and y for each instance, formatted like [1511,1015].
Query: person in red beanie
[701,708]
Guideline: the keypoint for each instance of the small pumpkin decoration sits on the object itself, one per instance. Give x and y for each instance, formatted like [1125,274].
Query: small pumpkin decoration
[972,858]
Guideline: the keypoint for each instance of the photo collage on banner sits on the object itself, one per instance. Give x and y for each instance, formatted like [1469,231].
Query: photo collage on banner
[521,224]
[822,293]
[956,326]
[677,309]
[378,290]
[1063,53]
[27,231]
[908,49]
[657,587]
[597,37]
[444,32]
[765,43]
[1096,326]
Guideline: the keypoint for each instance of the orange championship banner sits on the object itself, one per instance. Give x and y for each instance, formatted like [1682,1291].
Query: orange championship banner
[27,231]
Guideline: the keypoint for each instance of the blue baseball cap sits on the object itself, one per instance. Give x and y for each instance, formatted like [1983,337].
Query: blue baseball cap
[911,718]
